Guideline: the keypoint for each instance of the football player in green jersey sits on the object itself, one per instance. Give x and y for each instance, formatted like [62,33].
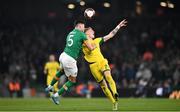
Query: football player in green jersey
[72,51]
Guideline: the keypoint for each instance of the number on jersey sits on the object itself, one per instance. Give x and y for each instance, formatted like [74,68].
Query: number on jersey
[70,40]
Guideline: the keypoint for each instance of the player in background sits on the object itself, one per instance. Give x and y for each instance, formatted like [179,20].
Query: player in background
[99,65]
[50,69]
[68,58]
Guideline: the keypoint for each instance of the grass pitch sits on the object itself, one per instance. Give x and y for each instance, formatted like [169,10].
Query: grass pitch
[88,105]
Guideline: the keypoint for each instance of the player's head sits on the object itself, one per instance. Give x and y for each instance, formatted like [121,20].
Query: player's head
[80,25]
[89,32]
[51,57]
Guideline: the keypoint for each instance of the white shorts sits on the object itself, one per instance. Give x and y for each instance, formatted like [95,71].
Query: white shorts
[68,64]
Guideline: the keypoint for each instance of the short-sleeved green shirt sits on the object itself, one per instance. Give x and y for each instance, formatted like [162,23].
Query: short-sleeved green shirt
[74,43]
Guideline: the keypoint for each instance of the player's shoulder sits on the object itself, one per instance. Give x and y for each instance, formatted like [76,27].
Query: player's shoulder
[79,33]
[47,64]
[98,39]
[83,36]
[82,33]
[56,63]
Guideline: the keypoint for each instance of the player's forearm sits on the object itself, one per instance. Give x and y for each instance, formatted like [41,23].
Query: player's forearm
[115,30]
[107,37]
[112,33]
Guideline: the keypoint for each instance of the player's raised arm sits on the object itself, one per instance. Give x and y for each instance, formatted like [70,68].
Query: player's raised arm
[115,30]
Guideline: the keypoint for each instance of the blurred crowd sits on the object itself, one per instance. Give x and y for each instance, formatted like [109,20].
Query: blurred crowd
[145,54]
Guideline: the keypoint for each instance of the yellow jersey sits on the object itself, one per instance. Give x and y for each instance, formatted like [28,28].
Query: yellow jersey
[52,68]
[95,55]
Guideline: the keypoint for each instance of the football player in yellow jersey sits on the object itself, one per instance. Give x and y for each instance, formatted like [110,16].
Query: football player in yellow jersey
[99,65]
[50,69]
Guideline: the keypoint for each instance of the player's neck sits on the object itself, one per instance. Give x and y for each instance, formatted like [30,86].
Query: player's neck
[89,37]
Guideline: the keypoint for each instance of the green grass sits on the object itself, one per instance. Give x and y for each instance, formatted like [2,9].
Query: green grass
[95,104]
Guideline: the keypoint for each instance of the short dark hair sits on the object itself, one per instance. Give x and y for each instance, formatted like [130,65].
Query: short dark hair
[79,22]
[86,29]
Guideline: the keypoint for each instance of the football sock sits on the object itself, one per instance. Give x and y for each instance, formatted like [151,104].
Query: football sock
[111,83]
[56,87]
[56,77]
[107,92]
[66,87]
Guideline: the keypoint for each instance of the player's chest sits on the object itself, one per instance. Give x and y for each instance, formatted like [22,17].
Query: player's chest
[51,66]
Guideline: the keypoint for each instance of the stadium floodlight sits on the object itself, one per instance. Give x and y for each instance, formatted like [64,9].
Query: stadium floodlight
[82,3]
[106,4]
[71,6]
[163,4]
[170,5]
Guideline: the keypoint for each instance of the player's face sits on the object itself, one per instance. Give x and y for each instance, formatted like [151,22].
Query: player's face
[52,58]
[81,27]
[90,32]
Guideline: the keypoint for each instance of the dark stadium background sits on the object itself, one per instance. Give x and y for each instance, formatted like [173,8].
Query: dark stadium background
[30,30]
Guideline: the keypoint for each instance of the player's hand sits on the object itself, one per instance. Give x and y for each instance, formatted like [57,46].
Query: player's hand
[45,72]
[123,23]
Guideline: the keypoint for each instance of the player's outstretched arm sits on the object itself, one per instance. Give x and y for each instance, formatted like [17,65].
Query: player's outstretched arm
[115,30]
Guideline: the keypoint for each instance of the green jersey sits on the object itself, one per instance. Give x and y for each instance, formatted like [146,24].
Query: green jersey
[74,43]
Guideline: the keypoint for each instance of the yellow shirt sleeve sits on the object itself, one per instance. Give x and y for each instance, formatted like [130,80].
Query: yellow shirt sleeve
[46,66]
[99,40]
[57,65]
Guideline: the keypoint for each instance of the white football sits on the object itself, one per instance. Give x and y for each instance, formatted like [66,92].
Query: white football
[89,13]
